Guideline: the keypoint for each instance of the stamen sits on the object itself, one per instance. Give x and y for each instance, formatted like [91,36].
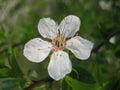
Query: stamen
[58,43]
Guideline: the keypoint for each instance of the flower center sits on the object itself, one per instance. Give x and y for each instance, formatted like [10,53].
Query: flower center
[58,43]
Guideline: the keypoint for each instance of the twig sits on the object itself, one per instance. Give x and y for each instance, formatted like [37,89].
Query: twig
[38,83]
[97,48]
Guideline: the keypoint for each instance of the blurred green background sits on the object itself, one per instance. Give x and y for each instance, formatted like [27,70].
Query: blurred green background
[100,23]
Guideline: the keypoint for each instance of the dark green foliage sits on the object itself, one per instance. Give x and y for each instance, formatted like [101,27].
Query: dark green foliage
[18,25]
[13,63]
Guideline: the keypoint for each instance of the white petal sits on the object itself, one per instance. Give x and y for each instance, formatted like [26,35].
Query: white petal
[105,5]
[59,65]
[36,50]
[69,26]
[48,28]
[80,47]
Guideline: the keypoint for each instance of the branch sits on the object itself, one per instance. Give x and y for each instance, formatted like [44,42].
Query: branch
[97,48]
[38,83]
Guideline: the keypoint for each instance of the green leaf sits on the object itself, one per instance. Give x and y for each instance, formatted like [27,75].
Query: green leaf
[65,86]
[2,63]
[5,72]
[76,85]
[45,86]
[42,87]
[12,84]
[98,73]
[83,75]
[13,63]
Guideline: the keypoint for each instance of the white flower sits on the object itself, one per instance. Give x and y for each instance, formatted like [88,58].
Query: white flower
[36,50]
[105,5]
[112,40]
